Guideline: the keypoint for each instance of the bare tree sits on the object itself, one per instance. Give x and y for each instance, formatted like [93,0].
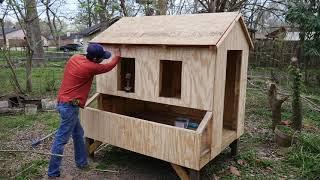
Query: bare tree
[102,11]
[53,20]
[13,75]
[123,8]
[211,6]
[161,7]
[26,13]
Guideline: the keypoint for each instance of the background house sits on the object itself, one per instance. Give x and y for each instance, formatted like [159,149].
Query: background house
[71,38]
[285,33]
[16,38]
[95,30]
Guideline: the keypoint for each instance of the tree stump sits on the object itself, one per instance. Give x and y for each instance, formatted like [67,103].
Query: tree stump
[275,103]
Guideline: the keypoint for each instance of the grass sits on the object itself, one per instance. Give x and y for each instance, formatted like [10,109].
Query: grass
[45,80]
[285,129]
[262,158]
[305,155]
[32,170]
[8,123]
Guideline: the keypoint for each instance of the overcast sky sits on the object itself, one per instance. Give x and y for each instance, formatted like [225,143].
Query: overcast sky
[67,10]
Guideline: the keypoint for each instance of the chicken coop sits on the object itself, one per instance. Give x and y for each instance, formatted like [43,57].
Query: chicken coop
[178,93]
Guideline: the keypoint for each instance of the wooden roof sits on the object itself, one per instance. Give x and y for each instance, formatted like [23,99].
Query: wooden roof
[192,29]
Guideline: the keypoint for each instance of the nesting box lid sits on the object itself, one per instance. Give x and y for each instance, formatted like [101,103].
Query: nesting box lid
[192,29]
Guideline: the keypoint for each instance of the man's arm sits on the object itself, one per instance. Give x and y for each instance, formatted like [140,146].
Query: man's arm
[103,68]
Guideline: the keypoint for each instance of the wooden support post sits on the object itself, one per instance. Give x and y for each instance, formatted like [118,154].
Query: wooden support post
[194,174]
[234,147]
[185,173]
[181,172]
[92,145]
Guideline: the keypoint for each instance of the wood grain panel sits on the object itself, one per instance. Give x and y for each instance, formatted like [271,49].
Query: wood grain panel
[176,145]
[235,40]
[206,29]
[197,75]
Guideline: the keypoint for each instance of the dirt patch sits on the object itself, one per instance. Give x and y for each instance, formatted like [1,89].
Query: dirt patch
[129,164]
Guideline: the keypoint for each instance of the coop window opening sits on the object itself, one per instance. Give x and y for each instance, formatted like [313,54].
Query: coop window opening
[232,89]
[126,75]
[170,78]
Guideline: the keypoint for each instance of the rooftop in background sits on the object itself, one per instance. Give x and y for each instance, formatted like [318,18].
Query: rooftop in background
[194,29]
[98,27]
[9,30]
[72,35]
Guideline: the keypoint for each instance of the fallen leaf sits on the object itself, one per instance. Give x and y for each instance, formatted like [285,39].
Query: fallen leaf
[241,162]
[215,177]
[234,171]
[285,122]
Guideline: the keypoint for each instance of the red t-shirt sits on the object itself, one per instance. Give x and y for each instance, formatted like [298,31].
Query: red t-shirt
[78,76]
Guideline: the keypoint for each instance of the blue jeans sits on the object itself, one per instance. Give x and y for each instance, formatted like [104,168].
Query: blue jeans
[69,125]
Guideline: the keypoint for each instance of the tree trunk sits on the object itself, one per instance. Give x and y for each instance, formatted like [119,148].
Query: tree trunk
[50,23]
[10,64]
[162,7]
[296,91]
[123,8]
[34,33]
[275,104]
[102,14]
[89,13]
[29,59]
[3,33]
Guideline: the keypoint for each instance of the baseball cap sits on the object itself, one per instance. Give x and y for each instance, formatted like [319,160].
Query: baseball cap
[97,51]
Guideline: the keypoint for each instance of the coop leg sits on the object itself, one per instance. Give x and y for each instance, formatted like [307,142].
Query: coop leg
[181,172]
[194,174]
[234,147]
[185,173]
[92,145]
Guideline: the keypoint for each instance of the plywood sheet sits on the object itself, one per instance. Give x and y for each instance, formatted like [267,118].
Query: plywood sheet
[196,78]
[192,29]
[235,40]
[175,145]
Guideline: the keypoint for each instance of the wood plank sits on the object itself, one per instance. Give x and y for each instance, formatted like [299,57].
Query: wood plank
[218,102]
[204,122]
[227,31]
[236,40]
[197,73]
[204,159]
[94,146]
[91,99]
[176,145]
[168,30]
[228,137]
[181,172]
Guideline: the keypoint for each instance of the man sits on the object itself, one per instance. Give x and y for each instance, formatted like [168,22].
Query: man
[73,93]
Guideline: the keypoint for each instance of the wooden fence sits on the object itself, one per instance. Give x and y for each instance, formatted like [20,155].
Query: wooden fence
[277,53]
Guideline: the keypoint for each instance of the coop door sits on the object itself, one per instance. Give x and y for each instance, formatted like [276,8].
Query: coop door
[126,75]
[232,89]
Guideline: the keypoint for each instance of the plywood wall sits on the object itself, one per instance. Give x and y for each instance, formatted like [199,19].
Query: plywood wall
[197,75]
[235,40]
[177,145]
